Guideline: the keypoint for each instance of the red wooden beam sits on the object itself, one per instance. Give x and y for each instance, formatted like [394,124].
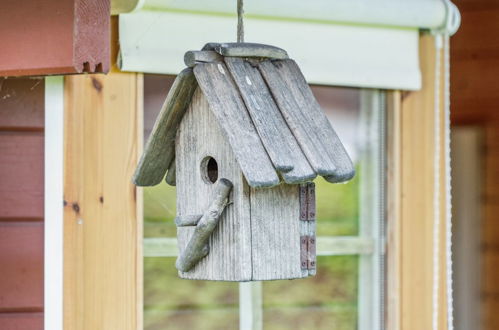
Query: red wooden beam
[45,37]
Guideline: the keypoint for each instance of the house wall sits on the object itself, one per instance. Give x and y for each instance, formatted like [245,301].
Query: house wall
[21,203]
[475,101]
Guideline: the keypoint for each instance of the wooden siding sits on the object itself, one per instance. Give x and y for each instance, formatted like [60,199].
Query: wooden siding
[54,37]
[21,203]
[475,101]
[21,321]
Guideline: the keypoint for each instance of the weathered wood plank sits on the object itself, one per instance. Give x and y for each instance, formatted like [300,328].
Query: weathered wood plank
[187,220]
[171,177]
[309,124]
[200,136]
[274,133]
[229,109]
[198,247]
[275,233]
[193,57]
[247,49]
[160,148]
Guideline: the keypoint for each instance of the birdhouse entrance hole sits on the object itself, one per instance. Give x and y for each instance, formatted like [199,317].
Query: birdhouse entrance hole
[209,169]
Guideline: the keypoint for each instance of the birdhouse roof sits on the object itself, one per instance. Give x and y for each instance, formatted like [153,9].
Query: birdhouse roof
[266,110]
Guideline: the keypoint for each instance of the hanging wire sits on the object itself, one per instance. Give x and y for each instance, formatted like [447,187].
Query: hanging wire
[240,23]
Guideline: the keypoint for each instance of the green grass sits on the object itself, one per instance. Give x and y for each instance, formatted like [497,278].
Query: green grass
[326,301]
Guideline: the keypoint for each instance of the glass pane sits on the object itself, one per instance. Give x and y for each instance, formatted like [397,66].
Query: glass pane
[337,204]
[330,300]
[325,301]
[173,303]
[159,201]
[170,302]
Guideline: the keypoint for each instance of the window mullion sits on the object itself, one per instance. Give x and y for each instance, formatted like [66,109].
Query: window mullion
[250,306]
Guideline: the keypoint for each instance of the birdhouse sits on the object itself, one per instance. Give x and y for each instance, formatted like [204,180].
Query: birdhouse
[242,138]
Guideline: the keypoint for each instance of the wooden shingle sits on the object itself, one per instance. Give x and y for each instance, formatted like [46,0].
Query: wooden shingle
[266,111]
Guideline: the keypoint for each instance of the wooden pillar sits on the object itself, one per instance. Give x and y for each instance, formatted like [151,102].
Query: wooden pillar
[102,213]
[410,254]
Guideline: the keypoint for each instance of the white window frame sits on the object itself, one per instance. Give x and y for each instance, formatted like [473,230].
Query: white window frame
[53,198]
[369,245]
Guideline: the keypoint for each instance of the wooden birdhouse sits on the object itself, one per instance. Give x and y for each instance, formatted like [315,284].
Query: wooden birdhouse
[242,138]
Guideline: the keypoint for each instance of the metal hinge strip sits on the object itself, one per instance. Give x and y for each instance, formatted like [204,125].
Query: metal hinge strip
[307,201]
[308,252]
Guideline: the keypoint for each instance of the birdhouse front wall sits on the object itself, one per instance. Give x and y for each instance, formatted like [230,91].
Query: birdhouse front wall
[259,235]
[199,138]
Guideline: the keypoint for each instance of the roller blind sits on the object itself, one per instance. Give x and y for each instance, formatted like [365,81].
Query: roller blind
[353,43]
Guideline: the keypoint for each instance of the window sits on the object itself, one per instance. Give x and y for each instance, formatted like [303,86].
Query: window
[347,291]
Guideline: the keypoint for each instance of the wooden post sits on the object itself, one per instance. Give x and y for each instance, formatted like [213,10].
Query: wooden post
[411,208]
[102,213]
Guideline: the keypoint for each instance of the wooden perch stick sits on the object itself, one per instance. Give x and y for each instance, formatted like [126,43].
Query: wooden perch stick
[193,57]
[187,220]
[198,248]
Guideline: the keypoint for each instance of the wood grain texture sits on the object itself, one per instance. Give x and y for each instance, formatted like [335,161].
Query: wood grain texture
[193,57]
[187,220]
[21,175]
[225,102]
[22,104]
[276,229]
[247,49]
[306,120]
[200,136]
[274,133]
[417,209]
[69,37]
[159,151]
[102,216]
[171,175]
[197,247]
[21,321]
[21,260]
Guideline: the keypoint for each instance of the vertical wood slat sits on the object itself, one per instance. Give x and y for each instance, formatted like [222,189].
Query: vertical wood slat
[275,233]
[102,220]
[416,191]
[199,137]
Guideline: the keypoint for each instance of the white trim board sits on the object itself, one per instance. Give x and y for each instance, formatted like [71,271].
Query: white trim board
[328,54]
[53,213]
